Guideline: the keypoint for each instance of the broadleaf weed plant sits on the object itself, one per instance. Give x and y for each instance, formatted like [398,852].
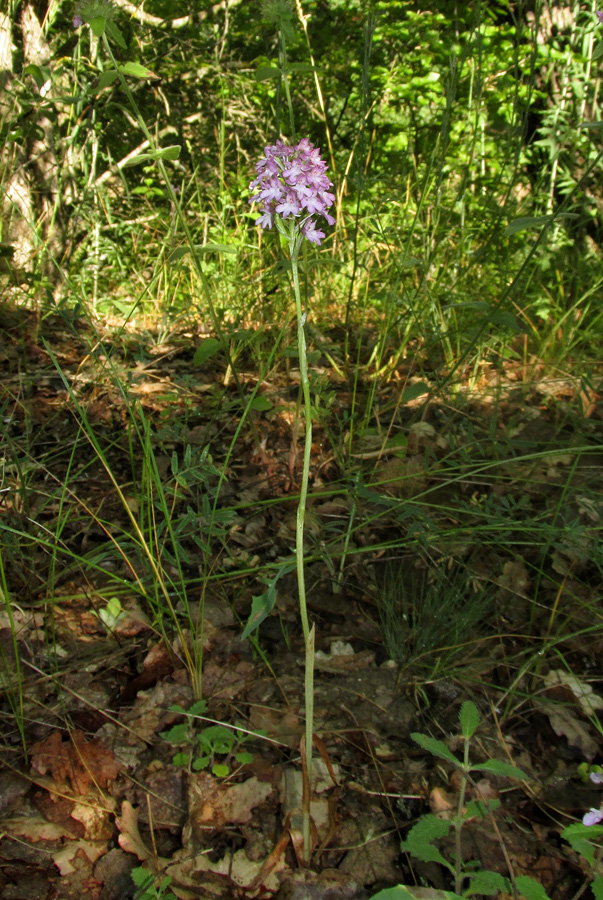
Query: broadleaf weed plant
[202,748]
[419,842]
[469,879]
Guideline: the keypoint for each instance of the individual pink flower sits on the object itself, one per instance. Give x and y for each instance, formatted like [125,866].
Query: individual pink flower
[592,817]
[310,231]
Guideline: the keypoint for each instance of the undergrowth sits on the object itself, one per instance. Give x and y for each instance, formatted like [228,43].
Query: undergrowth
[452,353]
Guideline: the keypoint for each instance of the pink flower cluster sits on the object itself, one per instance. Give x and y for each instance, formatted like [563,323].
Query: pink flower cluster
[291,181]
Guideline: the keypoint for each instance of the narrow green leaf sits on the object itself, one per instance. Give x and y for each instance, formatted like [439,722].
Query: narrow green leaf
[97,24]
[261,607]
[263,73]
[215,248]
[598,51]
[526,222]
[471,304]
[136,70]
[206,349]
[469,719]
[115,34]
[140,157]
[435,747]
[177,254]
[301,67]
[106,78]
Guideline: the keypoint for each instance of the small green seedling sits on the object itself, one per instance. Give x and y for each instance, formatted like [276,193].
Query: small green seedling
[146,888]
[206,745]
[112,613]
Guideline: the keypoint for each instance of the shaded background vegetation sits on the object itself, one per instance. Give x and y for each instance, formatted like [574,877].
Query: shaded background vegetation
[442,125]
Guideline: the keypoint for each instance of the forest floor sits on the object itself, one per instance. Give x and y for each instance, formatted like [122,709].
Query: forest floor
[461,562]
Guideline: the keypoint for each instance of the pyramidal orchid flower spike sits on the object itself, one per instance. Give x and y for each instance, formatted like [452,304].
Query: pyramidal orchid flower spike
[291,189]
[292,185]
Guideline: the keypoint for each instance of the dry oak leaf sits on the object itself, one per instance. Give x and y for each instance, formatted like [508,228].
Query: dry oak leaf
[185,868]
[213,804]
[565,724]
[583,692]
[35,828]
[91,850]
[75,761]
[130,840]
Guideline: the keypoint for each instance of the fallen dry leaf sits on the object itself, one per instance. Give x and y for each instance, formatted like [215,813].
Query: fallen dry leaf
[565,724]
[342,658]
[35,828]
[441,805]
[131,841]
[187,871]
[584,694]
[213,804]
[63,859]
[75,761]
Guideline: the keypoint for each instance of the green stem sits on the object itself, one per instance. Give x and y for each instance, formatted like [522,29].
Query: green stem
[458,825]
[294,245]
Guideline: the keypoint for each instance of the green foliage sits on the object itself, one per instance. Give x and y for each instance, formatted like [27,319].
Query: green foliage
[208,743]
[467,168]
[419,842]
[427,616]
[146,888]
[583,839]
[469,719]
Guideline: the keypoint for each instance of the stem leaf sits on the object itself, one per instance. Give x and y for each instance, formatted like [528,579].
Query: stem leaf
[264,73]
[498,767]
[530,888]
[469,719]
[435,747]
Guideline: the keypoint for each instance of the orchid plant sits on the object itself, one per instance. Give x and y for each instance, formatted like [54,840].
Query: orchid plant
[291,189]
